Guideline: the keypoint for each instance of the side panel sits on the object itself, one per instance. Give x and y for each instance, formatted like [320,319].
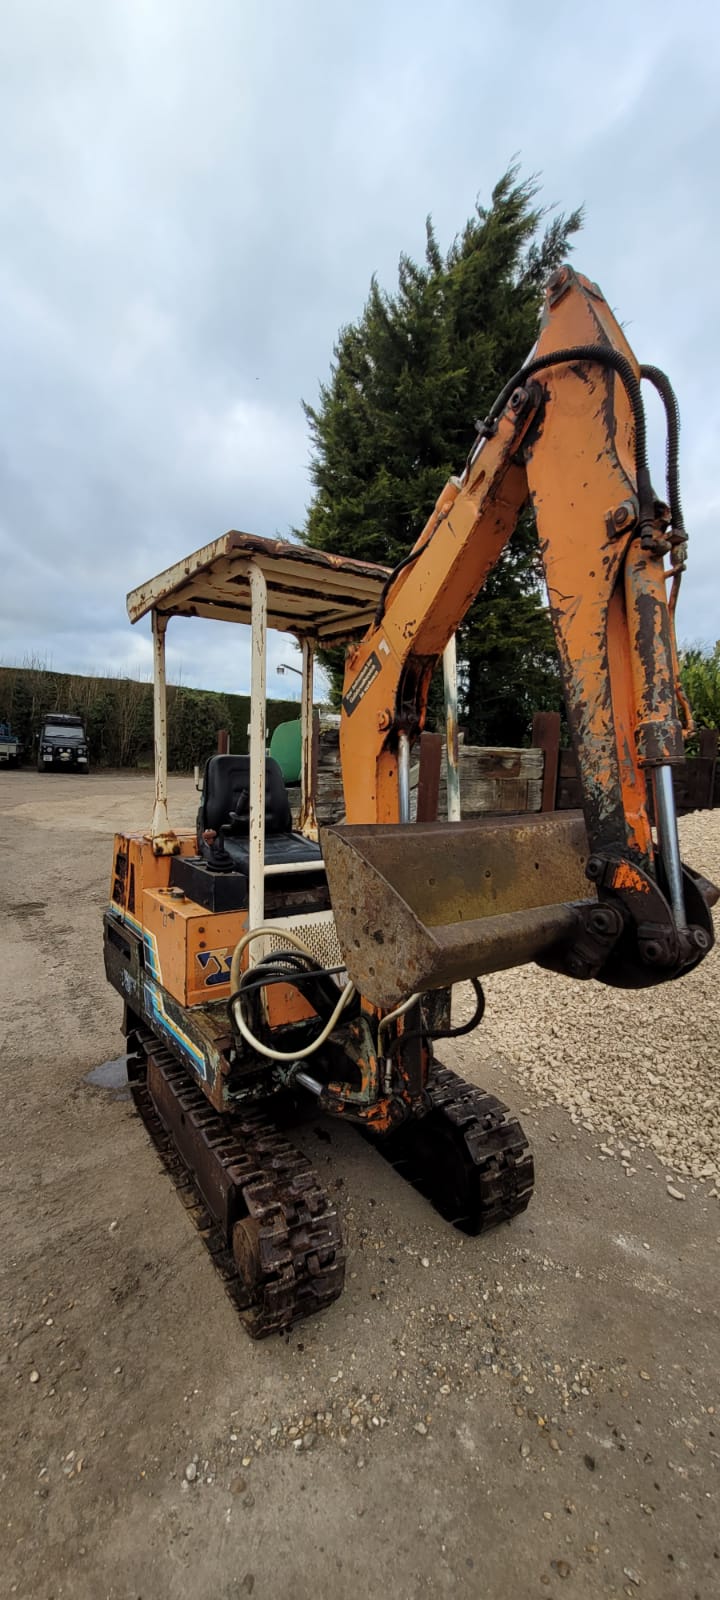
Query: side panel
[186,949]
[199,1037]
[135,868]
[192,948]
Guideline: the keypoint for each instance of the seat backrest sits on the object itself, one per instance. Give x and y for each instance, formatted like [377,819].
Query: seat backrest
[226,789]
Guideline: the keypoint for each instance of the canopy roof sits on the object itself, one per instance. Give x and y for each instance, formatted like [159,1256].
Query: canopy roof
[323,597]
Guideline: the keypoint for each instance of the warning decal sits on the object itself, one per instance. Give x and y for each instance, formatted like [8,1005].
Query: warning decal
[361,683]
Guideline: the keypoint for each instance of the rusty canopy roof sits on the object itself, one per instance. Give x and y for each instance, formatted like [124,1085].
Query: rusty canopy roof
[311,594]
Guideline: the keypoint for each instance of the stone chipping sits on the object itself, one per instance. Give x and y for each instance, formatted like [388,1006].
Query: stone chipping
[637,1068]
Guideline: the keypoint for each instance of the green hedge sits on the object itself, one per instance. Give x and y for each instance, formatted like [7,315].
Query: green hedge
[118,716]
[700,673]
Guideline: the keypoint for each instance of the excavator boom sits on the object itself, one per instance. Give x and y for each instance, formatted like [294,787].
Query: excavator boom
[416,909]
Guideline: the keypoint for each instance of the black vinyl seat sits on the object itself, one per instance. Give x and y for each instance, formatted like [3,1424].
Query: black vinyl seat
[225,812]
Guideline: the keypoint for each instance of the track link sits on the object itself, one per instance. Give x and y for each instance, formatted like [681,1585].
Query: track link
[469,1157]
[271,1230]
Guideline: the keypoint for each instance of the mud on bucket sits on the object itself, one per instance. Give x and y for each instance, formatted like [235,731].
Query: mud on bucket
[421,905]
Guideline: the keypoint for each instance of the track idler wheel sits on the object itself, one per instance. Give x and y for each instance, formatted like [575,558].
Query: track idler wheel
[246,1253]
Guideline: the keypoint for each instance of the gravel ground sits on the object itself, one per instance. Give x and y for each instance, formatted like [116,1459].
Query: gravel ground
[641,1069]
[529,1414]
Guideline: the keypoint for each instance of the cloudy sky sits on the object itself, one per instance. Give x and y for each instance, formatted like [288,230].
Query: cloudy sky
[194,198]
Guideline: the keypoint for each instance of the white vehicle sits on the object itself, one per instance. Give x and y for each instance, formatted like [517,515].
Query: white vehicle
[9,746]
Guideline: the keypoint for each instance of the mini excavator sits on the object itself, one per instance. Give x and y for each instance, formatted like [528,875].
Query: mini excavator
[261,963]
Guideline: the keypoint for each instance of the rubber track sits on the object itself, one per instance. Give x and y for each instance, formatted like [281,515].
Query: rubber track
[492,1151]
[300,1240]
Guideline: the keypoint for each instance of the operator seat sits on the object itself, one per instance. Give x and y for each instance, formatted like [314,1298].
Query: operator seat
[225,812]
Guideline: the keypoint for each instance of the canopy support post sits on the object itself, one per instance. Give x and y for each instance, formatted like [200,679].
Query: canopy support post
[308,819]
[164,841]
[256,892]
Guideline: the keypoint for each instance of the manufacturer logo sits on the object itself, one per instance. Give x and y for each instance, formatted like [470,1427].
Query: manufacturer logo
[214,966]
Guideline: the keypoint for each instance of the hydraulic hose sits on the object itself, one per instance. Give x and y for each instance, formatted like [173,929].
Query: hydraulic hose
[346,996]
[661,382]
[407,561]
[309,1049]
[448,1033]
[602,355]
[256,933]
[392,1016]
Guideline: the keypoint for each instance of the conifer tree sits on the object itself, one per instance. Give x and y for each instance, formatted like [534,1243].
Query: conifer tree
[395,419]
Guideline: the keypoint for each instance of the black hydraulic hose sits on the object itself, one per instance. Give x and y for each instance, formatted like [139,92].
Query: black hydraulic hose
[602,355]
[296,980]
[294,959]
[476,1018]
[661,382]
[449,1033]
[268,970]
[407,1038]
[262,979]
[290,967]
[407,561]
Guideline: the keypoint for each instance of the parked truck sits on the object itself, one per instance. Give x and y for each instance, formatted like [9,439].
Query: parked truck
[62,743]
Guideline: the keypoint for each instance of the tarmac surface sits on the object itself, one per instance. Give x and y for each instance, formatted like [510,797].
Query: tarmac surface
[531,1414]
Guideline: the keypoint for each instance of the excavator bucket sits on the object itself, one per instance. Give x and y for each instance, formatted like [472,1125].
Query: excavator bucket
[421,905]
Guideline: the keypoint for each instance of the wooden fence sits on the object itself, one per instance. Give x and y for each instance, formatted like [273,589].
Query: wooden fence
[543,778]
[696,781]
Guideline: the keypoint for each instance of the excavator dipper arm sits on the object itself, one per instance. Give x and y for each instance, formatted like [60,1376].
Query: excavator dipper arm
[569,436]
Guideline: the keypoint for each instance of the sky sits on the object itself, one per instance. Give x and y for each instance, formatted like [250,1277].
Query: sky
[193,201]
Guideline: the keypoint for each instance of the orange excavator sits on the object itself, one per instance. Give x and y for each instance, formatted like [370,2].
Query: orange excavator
[259,961]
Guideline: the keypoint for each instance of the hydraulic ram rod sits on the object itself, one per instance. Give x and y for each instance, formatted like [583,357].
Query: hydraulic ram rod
[667,831]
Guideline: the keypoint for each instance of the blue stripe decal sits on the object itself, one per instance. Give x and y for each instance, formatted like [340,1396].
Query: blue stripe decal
[148,939]
[154,1004]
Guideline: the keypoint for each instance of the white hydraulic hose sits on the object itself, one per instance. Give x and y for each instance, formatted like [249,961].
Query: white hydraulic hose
[393,1015]
[309,1049]
[256,1044]
[384,1023]
[255,933]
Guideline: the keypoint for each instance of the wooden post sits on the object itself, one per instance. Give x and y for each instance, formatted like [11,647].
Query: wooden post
[428,790]
[708,740]
[315,756]
[546,737]
[308,775]
[223,742]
